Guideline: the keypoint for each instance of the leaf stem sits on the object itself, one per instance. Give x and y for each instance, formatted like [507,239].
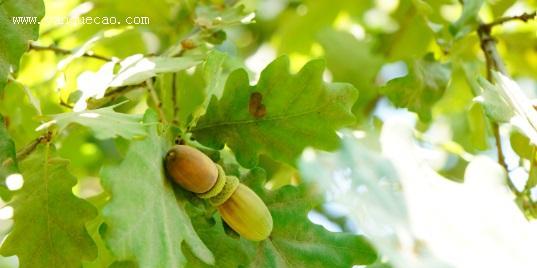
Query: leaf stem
[156,100]
[88,54]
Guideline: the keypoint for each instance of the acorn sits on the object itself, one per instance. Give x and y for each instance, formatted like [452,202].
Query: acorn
[246,213]
[239,206]
[191,169]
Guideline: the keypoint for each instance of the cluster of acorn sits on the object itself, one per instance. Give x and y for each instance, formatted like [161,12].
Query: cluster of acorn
[238,205]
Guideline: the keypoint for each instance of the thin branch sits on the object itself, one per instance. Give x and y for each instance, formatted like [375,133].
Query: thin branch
[65,104]
[497,137]
[501,156]
[156,100]
[28,149]
[494,62]
[88,54]
[174,97]
[524,17]
[492,57]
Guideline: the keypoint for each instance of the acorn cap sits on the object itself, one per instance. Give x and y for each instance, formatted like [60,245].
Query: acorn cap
[229,188]
[191,169]
[218,186]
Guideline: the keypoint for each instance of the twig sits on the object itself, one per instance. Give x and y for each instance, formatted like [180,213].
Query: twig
[28,149]
[524,17]
[174,98]
[156,100]
[492,57]
[497,137]
[495,62]
[65,104]
[501,156]
[88,54]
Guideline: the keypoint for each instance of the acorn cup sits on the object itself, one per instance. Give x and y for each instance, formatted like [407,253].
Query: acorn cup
[239,206]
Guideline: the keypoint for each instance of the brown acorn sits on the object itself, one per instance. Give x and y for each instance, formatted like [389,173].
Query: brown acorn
[191,169]
[239,206]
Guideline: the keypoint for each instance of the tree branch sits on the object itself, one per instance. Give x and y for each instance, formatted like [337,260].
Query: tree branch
[156,100]
[174,97]
[494,62]
[29,148]
[524,17]
[88,54]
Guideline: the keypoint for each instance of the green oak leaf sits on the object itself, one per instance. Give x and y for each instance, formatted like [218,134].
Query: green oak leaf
[498,8]
[412,37]
[468,20]
[211,230]
[279,116]
[105,122]
[192,92]
[297,242]
[521,145]
[137,68]
[214,18]
[7,152]
[15,36]
[133,71]
[294,242]
[49,221]
[182,90]
[144,220]
[94,227]
[8,159]
[504,101]
[298,31]
[367,185]
[421,88]
[341,48]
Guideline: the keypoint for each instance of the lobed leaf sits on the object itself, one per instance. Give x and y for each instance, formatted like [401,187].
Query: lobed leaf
[341,48]
[8,159]
[133,70]
[229,251]
[505,102]
[15,36]
[297,242]
[49,221]
[105,122]
[7,152]
[144,221]
[279,116]
[294,242]
[421,88]
[468,20]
